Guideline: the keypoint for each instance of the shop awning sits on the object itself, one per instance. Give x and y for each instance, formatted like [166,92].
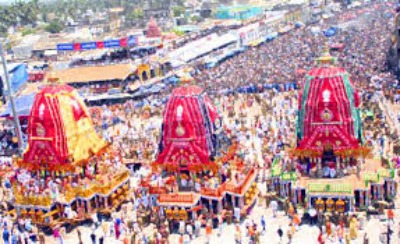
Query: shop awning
[256,42]
[50,53]
[108,97]
[271,36]
[202,47]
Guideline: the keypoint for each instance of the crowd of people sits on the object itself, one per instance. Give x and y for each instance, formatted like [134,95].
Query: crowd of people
[280,61]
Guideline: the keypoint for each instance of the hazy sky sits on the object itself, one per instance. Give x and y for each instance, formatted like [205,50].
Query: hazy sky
[6,1]
[12,1]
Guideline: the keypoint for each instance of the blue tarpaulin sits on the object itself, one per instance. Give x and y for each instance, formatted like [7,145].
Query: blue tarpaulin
[150,89]
[173,80]
[18,77]
[23,106]
[140,92]
[330,32]
[155,88]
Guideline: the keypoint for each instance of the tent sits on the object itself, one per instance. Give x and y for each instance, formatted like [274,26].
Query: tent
[200,47]
[147,90]
[331,31]
[23,105]
[18,74]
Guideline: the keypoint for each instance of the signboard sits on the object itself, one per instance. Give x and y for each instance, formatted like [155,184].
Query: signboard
[289,176]
[386,173]
[371,177]
[330,188]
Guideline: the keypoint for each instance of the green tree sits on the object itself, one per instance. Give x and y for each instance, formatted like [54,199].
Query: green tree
[54,27]
[27,31]
[137,13]
[178,11]
[195,18]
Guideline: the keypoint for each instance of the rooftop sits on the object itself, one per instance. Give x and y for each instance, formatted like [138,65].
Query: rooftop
[94,73]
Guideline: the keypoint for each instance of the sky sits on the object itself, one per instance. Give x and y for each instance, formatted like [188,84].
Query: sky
[12,1]
[6,1]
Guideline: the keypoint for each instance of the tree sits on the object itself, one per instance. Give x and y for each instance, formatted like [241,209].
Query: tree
[195,18]
[178,11]
[54,27]
[27,31]
[137,13]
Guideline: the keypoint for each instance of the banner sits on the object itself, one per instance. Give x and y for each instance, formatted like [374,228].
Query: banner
[112,43]
[132,41]
[65,47]
[88,45]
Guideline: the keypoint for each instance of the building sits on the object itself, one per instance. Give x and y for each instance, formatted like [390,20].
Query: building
[239,12]
[24,49]
[161,11]
[206,10]
[115,19]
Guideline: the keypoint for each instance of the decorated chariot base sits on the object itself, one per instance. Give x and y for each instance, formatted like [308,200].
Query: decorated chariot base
[67,172]
[370,190]
[49,198]
[188,195]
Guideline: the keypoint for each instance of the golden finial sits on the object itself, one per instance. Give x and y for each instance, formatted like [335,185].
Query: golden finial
[326,58]
[187,80]
[51,76]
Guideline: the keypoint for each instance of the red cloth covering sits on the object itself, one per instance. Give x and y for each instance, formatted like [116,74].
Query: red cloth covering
[328,119]
[57,120]
[186,136]
[328,135]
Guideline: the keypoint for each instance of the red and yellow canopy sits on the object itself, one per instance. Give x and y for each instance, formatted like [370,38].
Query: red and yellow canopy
[60,130]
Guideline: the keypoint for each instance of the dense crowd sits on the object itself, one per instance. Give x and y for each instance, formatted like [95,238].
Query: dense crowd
[280,61]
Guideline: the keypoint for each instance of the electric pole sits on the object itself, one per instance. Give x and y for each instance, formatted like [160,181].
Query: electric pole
[11,100]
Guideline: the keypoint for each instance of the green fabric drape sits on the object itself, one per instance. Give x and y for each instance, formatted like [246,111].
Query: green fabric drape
[355,112]
[302,111]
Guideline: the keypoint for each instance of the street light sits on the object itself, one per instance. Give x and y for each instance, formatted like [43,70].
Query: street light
[11,99]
